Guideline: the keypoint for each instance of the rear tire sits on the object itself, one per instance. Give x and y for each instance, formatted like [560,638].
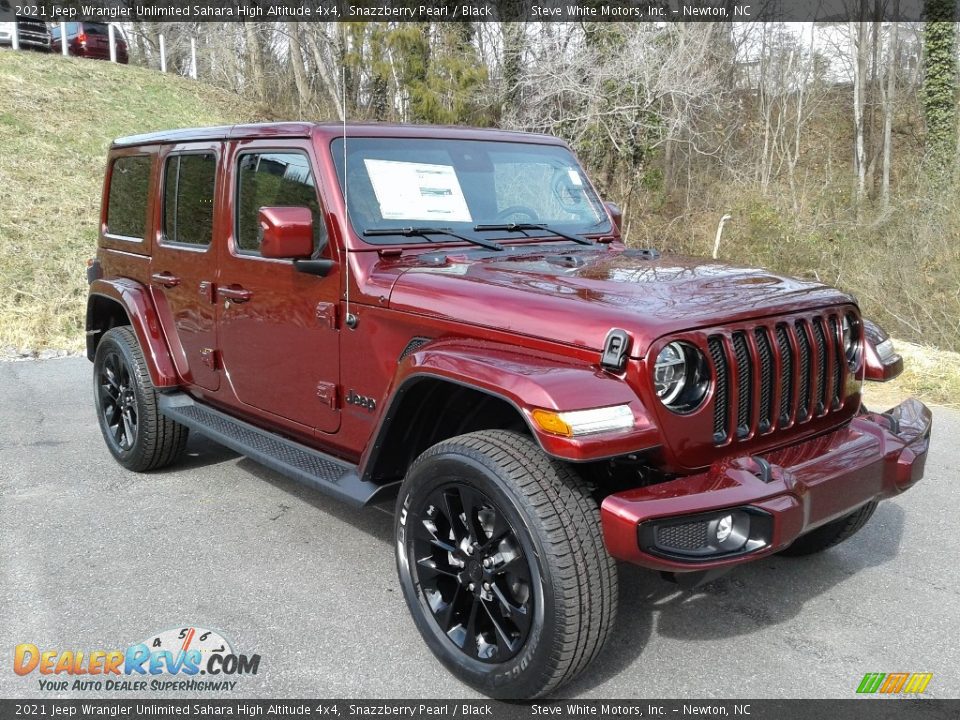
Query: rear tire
[136,433]
[832,533]
[502,564]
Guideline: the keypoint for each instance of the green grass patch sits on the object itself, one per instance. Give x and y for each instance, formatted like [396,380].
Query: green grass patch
[59,117]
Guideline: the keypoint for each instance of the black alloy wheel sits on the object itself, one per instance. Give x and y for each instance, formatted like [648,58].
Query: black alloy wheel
[118,402]
[473,572]
[502,563]
[137,434]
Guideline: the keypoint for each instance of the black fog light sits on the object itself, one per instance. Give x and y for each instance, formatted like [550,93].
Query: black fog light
[706,536]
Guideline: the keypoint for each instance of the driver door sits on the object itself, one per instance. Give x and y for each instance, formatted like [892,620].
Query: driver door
[277,326]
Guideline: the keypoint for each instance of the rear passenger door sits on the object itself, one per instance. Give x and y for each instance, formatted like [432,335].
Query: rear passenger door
[183,269]
[278,326]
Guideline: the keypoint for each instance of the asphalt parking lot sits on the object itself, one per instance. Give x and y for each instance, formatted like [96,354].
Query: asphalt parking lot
[94,557]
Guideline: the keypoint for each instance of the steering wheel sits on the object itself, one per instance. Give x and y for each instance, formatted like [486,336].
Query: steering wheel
[504,214]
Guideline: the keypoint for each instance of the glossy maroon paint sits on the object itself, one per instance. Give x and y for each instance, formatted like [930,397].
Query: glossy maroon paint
[287,233]
[253,336]
[812,483]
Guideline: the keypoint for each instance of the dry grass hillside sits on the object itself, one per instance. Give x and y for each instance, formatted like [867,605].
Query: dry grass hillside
[57,118]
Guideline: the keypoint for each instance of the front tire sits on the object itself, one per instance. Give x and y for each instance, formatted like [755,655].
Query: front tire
[138,436]
[833,533]
[502,563]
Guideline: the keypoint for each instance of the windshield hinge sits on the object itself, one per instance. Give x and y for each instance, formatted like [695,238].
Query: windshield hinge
[615,350]
[327,313]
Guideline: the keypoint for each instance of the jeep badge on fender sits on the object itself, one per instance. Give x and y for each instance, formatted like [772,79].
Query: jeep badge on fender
[548,400]
[365,402]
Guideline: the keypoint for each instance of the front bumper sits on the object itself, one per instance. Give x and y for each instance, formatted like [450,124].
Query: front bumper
[788,491]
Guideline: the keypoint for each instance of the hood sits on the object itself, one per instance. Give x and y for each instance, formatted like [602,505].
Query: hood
[577,296]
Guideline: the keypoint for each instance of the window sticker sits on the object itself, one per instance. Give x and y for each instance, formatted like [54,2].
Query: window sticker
[574,177]
[417,191]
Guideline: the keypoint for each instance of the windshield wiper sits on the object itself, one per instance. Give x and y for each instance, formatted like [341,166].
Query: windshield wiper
[523,227]
[426,232]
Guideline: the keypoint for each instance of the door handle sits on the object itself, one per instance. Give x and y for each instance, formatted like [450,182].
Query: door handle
[167,280]
[235,293]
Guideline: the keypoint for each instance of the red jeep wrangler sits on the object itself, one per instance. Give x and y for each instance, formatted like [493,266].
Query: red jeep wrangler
[451,315]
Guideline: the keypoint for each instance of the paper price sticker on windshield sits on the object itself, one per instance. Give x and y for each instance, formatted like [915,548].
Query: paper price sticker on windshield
[417,191]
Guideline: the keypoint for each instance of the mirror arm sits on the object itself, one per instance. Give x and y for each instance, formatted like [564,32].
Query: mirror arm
[321,268]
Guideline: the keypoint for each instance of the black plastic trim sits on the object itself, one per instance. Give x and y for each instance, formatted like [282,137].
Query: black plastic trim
[759,519]
[298,462]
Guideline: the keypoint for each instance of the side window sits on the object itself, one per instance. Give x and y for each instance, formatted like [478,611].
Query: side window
[274,179]
[188,185]
[127,202]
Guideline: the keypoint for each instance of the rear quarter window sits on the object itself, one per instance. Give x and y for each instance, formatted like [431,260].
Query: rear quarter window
[127,201]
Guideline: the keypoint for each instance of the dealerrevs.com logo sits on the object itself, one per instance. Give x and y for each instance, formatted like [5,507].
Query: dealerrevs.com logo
[185,654]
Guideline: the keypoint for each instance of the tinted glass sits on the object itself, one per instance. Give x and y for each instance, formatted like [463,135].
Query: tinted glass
[457,184]
[274,179]
[127,203]
[71,30]
[188,198]
[95,29]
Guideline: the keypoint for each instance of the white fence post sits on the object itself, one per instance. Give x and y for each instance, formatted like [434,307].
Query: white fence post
[15,39]
[193,58]
[63,39]
[113,42]
[163,55]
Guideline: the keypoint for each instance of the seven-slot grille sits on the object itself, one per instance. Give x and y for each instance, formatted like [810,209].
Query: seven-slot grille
[776,375]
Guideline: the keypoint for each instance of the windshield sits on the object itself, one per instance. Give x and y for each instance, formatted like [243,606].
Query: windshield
[396,183]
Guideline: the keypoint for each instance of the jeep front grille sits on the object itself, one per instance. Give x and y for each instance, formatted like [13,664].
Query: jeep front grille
[775,375]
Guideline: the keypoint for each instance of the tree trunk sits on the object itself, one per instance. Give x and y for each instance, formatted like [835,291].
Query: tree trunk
[254,60]
[859,158]
[888,104]
[299,72]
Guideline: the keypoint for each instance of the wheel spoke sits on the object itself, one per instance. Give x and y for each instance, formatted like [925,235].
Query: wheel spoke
[421,530]
[448,611]
[471,509]
[507,640]
[452,511]
[499,532]
[517,613]
[110,410]
[514,564]
[470,641]
[127,429]
[109,391]
[433,570]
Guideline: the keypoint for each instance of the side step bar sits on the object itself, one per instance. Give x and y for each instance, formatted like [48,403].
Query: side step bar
[298,462]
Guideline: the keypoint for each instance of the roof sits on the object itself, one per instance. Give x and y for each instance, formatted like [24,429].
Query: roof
[328,130]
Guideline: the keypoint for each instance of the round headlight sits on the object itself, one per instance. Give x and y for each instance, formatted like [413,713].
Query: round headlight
[681,377]
[850,327]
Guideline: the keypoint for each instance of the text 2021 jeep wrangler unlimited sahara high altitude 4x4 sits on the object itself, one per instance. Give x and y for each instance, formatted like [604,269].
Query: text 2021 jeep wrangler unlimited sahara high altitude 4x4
[451,314]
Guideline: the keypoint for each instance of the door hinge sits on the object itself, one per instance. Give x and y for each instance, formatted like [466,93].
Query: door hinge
[327,313]
[327,392]
[209,357]
[207,291]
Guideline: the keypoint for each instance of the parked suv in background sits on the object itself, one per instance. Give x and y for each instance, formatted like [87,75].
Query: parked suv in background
[472,334]
[31,34]
[90,40]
